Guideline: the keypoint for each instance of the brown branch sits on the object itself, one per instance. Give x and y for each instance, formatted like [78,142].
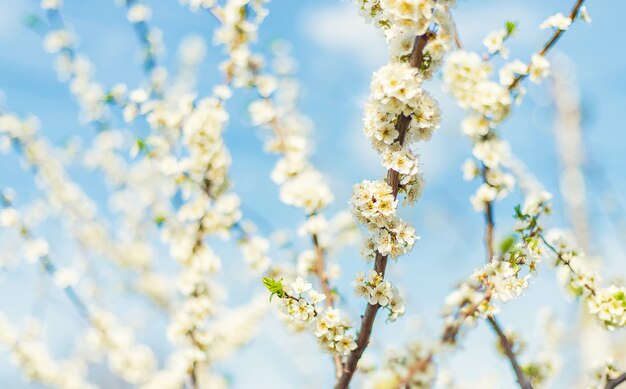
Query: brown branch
[614,383]
[457,39]
[555,37]
[322,276]
[504,341]
[380,263]
[508,349]
[320,271]
[489,219]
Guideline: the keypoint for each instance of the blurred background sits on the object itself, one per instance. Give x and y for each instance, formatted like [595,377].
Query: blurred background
[337,53]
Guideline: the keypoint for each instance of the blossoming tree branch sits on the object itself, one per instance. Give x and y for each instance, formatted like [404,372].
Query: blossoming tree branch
[159,145]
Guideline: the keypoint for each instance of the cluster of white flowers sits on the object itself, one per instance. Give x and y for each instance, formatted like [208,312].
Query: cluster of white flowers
[399,113]
[606,304]
[240,20]
[374,205]
[130,360]
[329,325]
[467,76]
[603,374]
[138,12]
[232,329]
[35,249]
[494,42]
[127,359]
[462,307]
[301,185]
[72,66]
[208,160]
[299,308]
[63,194]
[31,356]
[558,21]
[331,331]
[378,291]
[255,252]
[150,38]
[402,20]
[504,280]
[397,97]
[397,372]
[504,277]
[396,89]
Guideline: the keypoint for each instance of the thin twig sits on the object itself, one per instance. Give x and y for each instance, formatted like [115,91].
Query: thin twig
[489,219]
[548,45]
[504,341]
[508,349]
[322,276]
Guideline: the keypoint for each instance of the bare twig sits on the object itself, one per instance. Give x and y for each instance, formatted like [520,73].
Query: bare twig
[508,349]
[553,39]
[489,220]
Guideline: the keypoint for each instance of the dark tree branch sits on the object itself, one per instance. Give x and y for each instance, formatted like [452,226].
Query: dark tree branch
[614,383]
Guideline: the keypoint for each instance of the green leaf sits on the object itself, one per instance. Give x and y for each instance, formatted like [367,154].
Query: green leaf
[507,243]
[159,220]
[32,21]
[108,98]
[275,287]
[141,144]
[511,27]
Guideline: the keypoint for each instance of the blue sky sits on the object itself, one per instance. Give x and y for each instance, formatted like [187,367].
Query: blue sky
[337,53]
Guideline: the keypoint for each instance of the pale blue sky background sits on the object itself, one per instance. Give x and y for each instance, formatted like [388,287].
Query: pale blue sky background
[337,53]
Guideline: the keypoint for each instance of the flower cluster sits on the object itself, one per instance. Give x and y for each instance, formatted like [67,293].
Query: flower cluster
[30,355]
[330,327]
[397,369]
[607,304]
[467,76]
[130,360]
[62,193]
[378,291]
[401,21]
[301,185]
[72,66]
[374,205]
[603,374]
[331,331]
[505,276]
